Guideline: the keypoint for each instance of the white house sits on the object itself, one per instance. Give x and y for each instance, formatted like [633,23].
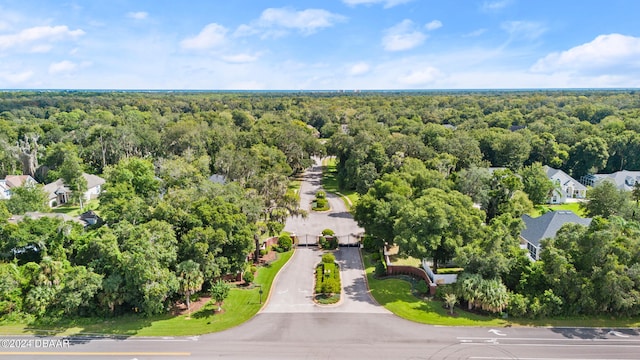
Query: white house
[59,193]
[13,181]
[566,186]
[624,179]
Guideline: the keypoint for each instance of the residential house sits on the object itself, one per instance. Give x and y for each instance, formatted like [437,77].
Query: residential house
[59,193]
[14,219]
[5,193]
[546,226]
[86,219]
[624,179]
[566,187]
[13,181]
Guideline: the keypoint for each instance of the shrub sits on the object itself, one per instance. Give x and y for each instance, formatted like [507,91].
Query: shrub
[328,243]
[518,305]
[381,269]
[450,270]
[371,244]
[328,258]
[328,232]
[321,204]
[248,277]
[285,243]
[330,286]
[321,195]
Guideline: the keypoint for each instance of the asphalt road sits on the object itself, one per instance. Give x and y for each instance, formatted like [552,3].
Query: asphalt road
[291,326]
[337,219]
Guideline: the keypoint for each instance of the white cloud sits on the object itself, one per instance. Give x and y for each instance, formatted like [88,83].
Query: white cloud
[422,76]
[435,24]
[403,36]
[475,33]
[606,53]
[492,6]
[38,34]
[359,69]
[211,36]
[62,67]
[138,15]
[240,58]
[275,22]
[16,78]
[524,29]
[387,3]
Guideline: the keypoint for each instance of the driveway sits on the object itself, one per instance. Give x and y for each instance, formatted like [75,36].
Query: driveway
[291,326]
[293,289]
[337,219]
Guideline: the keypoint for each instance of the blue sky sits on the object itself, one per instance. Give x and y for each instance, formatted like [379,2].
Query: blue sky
[321,44]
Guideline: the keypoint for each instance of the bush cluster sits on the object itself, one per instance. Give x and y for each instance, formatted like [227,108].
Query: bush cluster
[320,203]
[285,243]
[327,276]
[328,258]
[328,232]
[328,242]
[381,269]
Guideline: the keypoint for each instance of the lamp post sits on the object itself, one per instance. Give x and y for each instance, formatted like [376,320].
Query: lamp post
[260,292]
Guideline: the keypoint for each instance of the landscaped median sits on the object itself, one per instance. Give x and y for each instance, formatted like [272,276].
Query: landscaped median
[240,306]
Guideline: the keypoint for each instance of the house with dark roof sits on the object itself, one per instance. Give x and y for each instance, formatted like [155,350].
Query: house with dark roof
[566,186]
[546,226]
[623,179]
[59,193]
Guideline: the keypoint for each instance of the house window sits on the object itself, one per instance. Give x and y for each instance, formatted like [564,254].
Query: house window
[533,251]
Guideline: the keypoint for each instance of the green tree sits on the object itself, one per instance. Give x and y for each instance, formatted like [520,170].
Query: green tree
[536,183]
[79,290]
[190,278]
[502,187]
[219,292]
[588,156]
[378,209]
[436,224]
[606,200]
[71,173]
[27,198]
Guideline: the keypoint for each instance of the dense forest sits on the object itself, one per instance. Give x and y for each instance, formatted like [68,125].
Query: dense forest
[418,160]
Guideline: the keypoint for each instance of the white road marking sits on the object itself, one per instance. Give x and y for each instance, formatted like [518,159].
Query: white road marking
[618,334]
[497,332]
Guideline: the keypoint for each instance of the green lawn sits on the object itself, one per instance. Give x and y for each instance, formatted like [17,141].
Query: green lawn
[575,207]
[240,306]
[330,183]
[74,210]
[396,296]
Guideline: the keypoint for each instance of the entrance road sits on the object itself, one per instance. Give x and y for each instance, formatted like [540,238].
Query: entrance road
[292,327]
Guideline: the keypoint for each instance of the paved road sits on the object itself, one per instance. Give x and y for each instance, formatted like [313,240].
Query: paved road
[293,289]
[292,327]
[337,219]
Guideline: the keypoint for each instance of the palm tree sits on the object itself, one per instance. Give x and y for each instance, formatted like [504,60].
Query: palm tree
[450,299]
[468,285]
[190,278]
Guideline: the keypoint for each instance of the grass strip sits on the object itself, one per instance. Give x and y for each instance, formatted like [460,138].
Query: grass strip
[240,306]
